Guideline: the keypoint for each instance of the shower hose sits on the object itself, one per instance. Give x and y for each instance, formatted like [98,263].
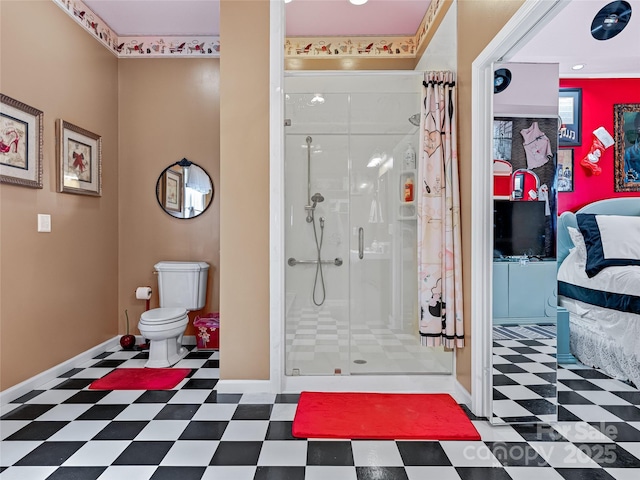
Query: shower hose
[319,273]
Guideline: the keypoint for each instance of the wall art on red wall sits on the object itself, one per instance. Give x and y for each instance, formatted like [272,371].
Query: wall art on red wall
[565,170]
[570,111]
[627,147]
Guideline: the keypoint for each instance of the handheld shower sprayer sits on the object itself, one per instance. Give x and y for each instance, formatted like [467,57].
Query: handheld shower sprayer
[310,208]
[317,198]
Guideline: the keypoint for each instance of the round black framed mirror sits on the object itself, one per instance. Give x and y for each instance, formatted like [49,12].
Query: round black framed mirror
[184,189]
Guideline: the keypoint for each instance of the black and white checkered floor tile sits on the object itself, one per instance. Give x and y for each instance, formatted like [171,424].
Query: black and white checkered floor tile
[62,430]
[524,378]
[321,341]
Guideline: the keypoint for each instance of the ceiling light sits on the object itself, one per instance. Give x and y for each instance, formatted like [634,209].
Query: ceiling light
[578,66]
[358,2]
[288,1]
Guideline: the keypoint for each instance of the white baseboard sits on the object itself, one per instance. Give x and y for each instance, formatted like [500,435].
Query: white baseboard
[357,383]
[245,386]
[34,382]
[371,383]
[462,395]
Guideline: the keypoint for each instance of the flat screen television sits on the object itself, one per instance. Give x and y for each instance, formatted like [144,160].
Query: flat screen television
[518,228]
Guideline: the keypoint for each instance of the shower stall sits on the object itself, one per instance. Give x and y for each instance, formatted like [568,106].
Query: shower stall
[350,226]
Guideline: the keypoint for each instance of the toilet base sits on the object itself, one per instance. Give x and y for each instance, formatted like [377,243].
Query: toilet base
[165,353]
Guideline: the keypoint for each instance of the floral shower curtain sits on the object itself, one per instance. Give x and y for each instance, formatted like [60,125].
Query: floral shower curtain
[439,245]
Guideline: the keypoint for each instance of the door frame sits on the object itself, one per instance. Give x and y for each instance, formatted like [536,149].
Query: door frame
[530,19]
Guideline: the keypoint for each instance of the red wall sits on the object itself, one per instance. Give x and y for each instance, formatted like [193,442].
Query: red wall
[598,98]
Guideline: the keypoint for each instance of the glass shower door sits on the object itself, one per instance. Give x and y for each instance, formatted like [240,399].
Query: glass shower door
[317,229]
[383,293]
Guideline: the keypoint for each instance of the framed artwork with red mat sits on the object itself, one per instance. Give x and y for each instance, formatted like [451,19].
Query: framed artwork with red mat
[141,379]
[381,416]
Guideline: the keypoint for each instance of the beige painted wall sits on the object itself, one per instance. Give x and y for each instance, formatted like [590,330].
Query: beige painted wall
[244,204]
[478,23]
[79,303]
[58,290]
[168,110]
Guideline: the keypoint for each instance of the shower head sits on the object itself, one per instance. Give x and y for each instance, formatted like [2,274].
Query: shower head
[317,198]
[415,119]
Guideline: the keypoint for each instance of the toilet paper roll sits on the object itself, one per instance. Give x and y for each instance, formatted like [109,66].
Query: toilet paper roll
[143,293]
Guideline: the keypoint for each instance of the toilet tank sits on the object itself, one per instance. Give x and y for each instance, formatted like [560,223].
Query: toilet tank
[182,284]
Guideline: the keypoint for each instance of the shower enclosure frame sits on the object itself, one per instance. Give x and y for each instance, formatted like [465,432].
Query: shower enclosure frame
[391,382]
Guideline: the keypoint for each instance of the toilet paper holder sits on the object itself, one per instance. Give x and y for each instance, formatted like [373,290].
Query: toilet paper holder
[144,293]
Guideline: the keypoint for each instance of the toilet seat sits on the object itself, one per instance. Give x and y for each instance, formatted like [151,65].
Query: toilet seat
[163,316]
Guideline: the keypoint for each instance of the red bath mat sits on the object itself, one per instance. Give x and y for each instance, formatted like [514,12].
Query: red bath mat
[381,416]
[140,379]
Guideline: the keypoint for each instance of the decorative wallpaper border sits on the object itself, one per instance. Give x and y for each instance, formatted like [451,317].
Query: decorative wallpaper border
[429,19]
[168,46]
[139,46]
[331,47]
[362,47]
[209,46]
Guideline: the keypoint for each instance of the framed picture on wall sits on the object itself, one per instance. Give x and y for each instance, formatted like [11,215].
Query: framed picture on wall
[20,143]
[570,112]
[627,147]
[565,170]
[173,191]
[79,160]
[502,138]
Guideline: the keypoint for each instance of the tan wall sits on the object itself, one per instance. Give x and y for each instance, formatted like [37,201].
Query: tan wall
[168,110]
[58,290]
[244,204]
[478,23]
[159,124]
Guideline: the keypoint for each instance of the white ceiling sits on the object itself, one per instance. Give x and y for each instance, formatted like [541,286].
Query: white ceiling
[311,18]
[159,17]
[566,39]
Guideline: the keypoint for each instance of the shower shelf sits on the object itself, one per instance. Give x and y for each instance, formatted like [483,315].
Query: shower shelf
[407,210]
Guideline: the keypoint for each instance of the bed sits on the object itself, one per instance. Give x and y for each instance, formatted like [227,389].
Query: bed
[599,284]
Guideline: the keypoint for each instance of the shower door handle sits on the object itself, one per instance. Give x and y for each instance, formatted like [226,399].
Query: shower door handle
[361,243]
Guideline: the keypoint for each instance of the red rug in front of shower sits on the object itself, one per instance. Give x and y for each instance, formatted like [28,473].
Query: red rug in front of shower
[140,379]
[389,416]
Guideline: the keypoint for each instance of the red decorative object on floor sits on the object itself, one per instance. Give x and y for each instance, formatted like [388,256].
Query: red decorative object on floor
[389,416]
[140,379]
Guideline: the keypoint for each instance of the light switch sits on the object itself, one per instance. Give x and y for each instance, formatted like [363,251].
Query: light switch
[44,222]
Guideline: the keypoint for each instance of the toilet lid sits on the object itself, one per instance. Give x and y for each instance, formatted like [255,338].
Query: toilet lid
[158,316]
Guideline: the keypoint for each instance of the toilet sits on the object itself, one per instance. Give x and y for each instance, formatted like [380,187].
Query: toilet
[182,287]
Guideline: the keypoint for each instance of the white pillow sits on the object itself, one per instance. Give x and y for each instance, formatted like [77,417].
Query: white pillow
[611,241]
[578,242]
